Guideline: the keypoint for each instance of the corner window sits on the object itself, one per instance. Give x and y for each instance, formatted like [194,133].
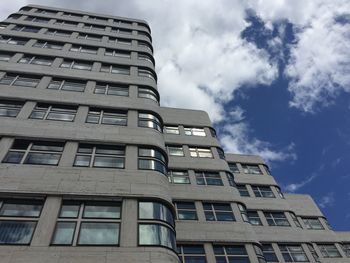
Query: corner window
[263,191]
[53,112]
[112,89]
[195,132]
[88,223]
[19,80]
[145,45]
[201,152]
[276,219]
[251,169]
[313,223]
[293,253]
[142,72]
[146,57]
[221,153]
[230,179]
[191,253]
[37,152]
[100,156]
[218,212]
[313,252]
[152,159]
[111,117]
[10,108]
[178,177]
[259,254]
[18,219]
[148,93]
[208,178]
[149,120]
[231,253]
[244,213]
[186,211]
[67,85]
[329,251]
[156,225]
[175,150]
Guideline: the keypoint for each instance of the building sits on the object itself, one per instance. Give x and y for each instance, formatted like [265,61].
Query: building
[94,170]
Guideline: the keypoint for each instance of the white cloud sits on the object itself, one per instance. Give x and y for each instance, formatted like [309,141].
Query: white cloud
[236,139]
[327,200]
[293,187]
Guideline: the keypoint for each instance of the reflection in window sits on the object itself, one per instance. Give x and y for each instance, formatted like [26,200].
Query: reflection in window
[112,89]
[175,150]
[254,218]
[80,65]
[67,85]
[49,45]
[313,223]
[263,191]
[186,211]
[155,211]
[149,120]
[329,251]
[53,112]
[19,80]
[10,108]
[195,131]
[171,130]
[231,253]
[13,40]
[218,212]
[233,167]
[251,169]
[148,93]
[115,69]
[208,178]
[178,177]
[243,191]
[152,159]
[269,253]
[191,253]
[293,253]
[93,223]
[111,117]
[36,60]
[201,152]
[276,219]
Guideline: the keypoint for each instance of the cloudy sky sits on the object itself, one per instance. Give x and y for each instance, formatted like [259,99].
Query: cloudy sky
[274,76]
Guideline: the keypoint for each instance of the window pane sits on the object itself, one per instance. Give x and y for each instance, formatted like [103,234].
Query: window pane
[153,234]
[153,210]
[99,234]
[101,211]
[20,209]
[108,162]
[43,158]
[82,160]
[16,232]
[70,210]
[13,157]
[64,233]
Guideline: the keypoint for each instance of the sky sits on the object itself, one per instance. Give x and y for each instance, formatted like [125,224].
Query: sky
[274,76]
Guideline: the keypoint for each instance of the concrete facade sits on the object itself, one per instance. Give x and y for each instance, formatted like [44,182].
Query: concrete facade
[212,202]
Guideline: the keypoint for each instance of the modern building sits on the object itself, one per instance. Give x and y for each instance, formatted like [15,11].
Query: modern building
[93,170]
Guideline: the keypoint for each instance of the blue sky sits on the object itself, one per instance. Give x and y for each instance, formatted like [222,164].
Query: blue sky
[272,74]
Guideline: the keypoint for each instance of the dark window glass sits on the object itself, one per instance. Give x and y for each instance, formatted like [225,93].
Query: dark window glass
[191,253]
[155,211]
[276,219]
[243,191]
[293,253]
[99,116]
[111,89]
[152,159]
[67,85]
[230,253]
[208,178]
[254,218]
[218,212]
[263,191]
[186,211]
[10,108]
[178,177]
[53,112]
[269,253]
[149,120]
[148,94]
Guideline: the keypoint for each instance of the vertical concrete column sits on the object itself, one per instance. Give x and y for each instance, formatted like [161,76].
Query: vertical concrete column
[200,211]
[250,190]
[262,218]
[262,169]
[182,130]
[323,223]
[68,154]
[90,86]
[46,224]
[251,253]
[132,119]
[192,176]
[131,154]
[96,66]
[74,35]
[57,62]
[26,110]
[104,40]
[16,58]
[129,227]
[133,71]
[277,252]
[209,251]
[240,168]
[224,179]
[340,249]
[44,83]
[187,151]
[5,145]
[290,219]
[275,192]
[317,250]
[31,42]
[307,252]
[81,114]
[133,91]
[101,52]
[134,56]
[67,47]
[214,150]
[42,31]
[237,212]
[2,74]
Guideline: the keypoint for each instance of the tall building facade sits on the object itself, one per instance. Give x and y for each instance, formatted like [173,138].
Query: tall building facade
[94,170]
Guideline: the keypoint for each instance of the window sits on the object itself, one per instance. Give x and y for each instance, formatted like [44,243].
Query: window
[243,191]
[251,169]
[122,41]
[97,19]
[152,159]
[121,31]
[88,223]
[191,253]
[208,178]
[329,251]
[112,89]
[212,132]
[37,19]
[101,156]
[313,252]
[84,49]
[269,253]
[171,130]
[186,211]
[231,253]
[89,37]
[65,23]
[233,167]
[230,179]
[201,152]
[254,218]
[144,34]
[67,85]
[178,177]
[15,231]
[263,191]
[36,60]
[53,112]
[279,192]
[259,254]
[46,12]
[267,169]
[276,219]
[293,253]
[115,69]
[175,151]
[49,45]
[10,108]
[12,40]
[148,93]
[71,15]
[94,27]
[142,72]
[5,57]
[29,29]
[37,152]
[295,219]
[76,65]
[346,249]
[111,117]
[149,120]
[218,212]
[156,225]
[58,33]
[3,26]
[313,223]
[146,57]
[117,53]
[221,153]
[243,211]
[19,80]
[195,132]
